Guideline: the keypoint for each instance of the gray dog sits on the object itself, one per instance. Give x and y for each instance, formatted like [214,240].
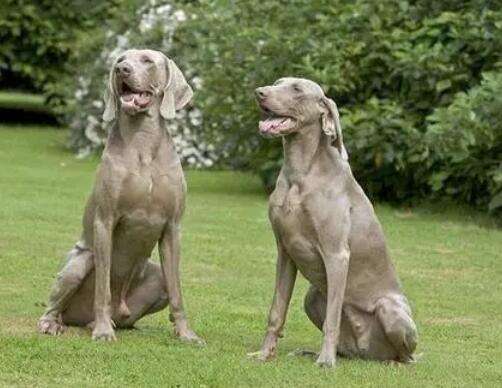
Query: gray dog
[326,228]
[137,202]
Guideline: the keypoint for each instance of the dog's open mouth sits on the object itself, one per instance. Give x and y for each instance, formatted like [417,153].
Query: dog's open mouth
[134,100]
[273,124]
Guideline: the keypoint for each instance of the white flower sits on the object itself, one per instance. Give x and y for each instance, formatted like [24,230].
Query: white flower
[146,24]
[164,9]
[79,94]
[90,130]
[180,15]
[97,104]
[84,152]
[195,117]
[197,82]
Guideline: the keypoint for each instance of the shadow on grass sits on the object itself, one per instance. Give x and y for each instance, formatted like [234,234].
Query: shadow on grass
[21,116]
[446,211]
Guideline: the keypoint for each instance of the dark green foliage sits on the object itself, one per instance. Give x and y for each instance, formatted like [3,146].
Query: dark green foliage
[388,64]
[465,140]
[38,39]
[385,149]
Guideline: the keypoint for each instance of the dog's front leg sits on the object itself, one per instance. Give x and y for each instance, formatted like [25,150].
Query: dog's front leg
[284,283]
[103,325]
[169,252]
[337,265]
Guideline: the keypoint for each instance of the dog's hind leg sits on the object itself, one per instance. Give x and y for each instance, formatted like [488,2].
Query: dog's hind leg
[315,306]
[78,264]
[361,333]
[148,296]
[123,310]
[394,314]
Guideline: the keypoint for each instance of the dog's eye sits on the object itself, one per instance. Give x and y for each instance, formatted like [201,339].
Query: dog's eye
[297,89]
[146,60]
[120,59]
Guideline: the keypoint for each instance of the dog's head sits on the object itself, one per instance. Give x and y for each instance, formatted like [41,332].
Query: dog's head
[292,104]
[141,80]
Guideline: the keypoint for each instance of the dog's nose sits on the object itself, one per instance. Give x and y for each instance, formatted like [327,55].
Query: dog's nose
[261,93]
[124,69]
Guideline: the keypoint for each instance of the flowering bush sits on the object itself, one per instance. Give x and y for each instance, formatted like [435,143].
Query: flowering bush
[152,25]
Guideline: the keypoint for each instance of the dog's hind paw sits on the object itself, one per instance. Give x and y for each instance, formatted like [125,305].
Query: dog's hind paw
[51,326]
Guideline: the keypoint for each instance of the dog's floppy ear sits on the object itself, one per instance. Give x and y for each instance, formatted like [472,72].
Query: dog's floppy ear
[330,122]
[110,97]
[177,92]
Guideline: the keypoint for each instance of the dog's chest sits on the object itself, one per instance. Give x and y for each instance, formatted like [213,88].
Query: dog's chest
[292,223]
[152,192]
[293,230]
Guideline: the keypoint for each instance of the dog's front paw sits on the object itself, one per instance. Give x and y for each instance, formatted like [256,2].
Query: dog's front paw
[326,360]
[103,332]
[190,337]
[262,355]
[51,326]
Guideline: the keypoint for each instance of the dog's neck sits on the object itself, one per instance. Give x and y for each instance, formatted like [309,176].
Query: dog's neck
[142,134]
[305,151]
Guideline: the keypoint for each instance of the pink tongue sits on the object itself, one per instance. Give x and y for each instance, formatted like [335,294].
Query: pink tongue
[142,99]
[270,124]
[139,99]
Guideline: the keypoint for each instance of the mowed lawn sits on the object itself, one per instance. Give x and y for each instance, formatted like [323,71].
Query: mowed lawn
[449,260]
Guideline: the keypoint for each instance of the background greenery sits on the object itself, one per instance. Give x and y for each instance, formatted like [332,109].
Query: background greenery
[406,74]
[418,82]
[38,41]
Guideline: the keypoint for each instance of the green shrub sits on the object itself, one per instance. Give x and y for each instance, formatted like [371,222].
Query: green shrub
[388,65]
[38,39]
[385,148]
[465,141]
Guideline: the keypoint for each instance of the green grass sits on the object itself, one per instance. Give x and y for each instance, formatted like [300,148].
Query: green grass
[23,101]
[448,259]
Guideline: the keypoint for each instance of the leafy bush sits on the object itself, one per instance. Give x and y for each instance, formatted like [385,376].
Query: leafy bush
[37,40]
[388,65]
[385,148]
[465,141]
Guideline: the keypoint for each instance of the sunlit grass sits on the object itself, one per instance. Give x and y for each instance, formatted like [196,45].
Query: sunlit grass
[22,101]
[449,264]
